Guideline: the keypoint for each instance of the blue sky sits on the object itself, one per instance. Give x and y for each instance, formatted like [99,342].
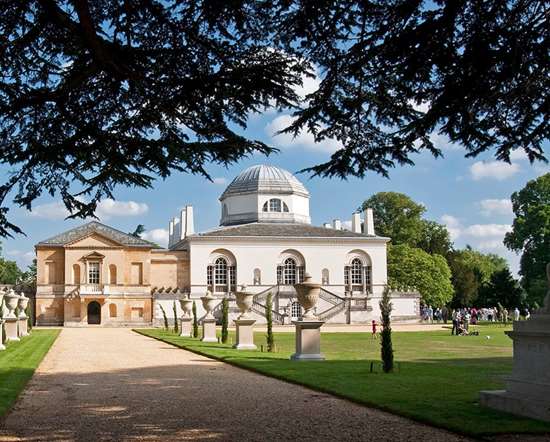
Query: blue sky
[470,196]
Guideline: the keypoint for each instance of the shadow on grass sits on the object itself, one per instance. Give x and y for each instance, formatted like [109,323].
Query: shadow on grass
[441,392]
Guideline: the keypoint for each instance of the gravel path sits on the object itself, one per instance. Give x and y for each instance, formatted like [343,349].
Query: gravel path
[113,384]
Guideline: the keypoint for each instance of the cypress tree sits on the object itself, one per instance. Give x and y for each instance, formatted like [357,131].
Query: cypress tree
[195,322]
[225,320]
[165,318]
[175,318]
[269,318]
[386,344]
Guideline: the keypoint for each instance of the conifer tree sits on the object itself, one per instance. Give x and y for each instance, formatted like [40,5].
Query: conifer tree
[175,318]
[195,322]
[225,320]
[386,344]
[164,317]
[269,319]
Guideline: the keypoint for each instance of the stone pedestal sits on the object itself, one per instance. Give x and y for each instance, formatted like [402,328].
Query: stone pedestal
[209,330]
[186,328]
[308,341]
[528,388]
[245,334]
[2,347]
[23,326]
[11,329]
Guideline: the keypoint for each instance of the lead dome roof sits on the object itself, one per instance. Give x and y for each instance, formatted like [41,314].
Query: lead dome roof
[265,179]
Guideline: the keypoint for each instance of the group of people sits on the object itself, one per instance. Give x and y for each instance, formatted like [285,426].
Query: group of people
[464,317]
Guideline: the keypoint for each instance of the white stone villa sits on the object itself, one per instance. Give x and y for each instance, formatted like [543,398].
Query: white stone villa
[95,274]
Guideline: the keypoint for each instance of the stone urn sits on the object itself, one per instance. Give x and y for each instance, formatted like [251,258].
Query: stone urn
[308,294]
[2,293]
[244,302]
[22,303]
[186,305]
[208,302]
[12,300]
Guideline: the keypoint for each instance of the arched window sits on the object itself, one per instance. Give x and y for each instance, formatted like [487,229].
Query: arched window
[266,207]
[76,274]
[220,272]
[112,274]
[257,277]
[296,310]
[289,271]
[325,277]
[274,205]
[285,207]
[356,272]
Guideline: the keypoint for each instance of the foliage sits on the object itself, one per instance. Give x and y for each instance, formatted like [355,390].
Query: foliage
[120,92]
[412,268]
[396,215]
[140,228]
[470,270]
[164,317]
[9,272]
[428,360]
[225,320]
[270,344]
[501,289]
[530,235]
[175,308]
[29,276]
[386,349]
[18,362]
[195,321]
[434,238]
[29,313]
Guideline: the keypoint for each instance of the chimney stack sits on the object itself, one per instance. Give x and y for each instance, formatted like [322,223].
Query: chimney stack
[327,225]
[356,223]
[189,223]
[170,233]
[177,228]
[369,223]
[337,224]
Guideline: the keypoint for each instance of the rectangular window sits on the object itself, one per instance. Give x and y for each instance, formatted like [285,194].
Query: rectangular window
[232,277]
[368,278]
[209,275]
[93,273]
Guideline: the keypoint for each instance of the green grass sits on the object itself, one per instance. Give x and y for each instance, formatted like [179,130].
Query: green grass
[18,362]
[438,379]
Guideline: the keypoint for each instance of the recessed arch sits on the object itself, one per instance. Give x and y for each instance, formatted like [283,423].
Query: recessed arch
[224,253]
[358,254]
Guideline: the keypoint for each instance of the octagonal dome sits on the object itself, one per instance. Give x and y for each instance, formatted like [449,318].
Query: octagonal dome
[265,194]
[265,179]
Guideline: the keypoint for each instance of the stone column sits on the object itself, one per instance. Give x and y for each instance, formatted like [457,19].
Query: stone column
[245,334]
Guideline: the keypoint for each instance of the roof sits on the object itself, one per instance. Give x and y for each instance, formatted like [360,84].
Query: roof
[264,179]
[90,228]
[282,230]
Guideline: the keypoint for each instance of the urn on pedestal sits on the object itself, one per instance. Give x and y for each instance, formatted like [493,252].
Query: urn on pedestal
[244,302]
[22,318]
[244,323]
[209,322]
[308,328]
[10,326]
[208,302]
[187,306]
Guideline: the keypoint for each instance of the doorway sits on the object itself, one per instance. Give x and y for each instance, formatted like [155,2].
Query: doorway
[94,313]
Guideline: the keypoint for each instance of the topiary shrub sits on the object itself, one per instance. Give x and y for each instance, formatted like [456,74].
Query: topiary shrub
[269,318]
[166,327]
[195,322]
[175,318]
[225,320]
[385,342]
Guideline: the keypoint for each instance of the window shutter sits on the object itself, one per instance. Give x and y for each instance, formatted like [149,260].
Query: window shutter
[346,276]
[368,278]
[209,275]
[232,277]
[279,274]
[301,274]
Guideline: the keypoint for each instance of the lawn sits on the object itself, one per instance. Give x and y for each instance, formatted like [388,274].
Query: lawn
[438,379]
[18,362]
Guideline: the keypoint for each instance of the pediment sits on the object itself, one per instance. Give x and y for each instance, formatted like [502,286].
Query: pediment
[94,240]
[93,255]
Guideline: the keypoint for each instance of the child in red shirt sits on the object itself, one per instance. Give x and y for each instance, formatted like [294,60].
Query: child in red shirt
[373,329]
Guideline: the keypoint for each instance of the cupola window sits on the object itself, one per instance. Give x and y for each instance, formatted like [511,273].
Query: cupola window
[275,205]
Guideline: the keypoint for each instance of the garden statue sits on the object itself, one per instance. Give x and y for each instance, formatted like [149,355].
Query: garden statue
[308,327]
[10,326]
[209,322]
[244,323]
[22,318]
[186,305]
[528,388]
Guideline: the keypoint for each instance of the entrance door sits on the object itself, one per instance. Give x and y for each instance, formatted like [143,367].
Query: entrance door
[94,313]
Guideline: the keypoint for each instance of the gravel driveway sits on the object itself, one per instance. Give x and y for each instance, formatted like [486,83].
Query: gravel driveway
[113,384]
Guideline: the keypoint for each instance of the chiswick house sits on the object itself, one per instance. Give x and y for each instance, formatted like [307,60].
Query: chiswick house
[96,275]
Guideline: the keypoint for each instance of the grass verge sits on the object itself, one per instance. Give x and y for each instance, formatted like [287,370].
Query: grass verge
[438,379]
[18,362]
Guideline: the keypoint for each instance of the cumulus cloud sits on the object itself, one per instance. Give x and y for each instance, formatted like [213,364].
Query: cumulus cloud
[442,142]
[219,181]
[106,209]
[491,245]
[518,155]
[21,256]
[304,139]
[491,207]
[497,170]
[453,225]
[159,236]
[485,230]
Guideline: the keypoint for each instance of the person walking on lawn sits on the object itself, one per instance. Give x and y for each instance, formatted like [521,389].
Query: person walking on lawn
[454,318]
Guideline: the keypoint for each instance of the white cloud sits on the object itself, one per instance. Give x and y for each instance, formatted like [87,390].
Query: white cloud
[106,209]
[423,106]
[518,155]
[159,236]
[491,207]
[442,142]
[485,230]
[453,226]
[493,169]
[304,139]
[309,84]
[220,180]
[21,256]
[493,244]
